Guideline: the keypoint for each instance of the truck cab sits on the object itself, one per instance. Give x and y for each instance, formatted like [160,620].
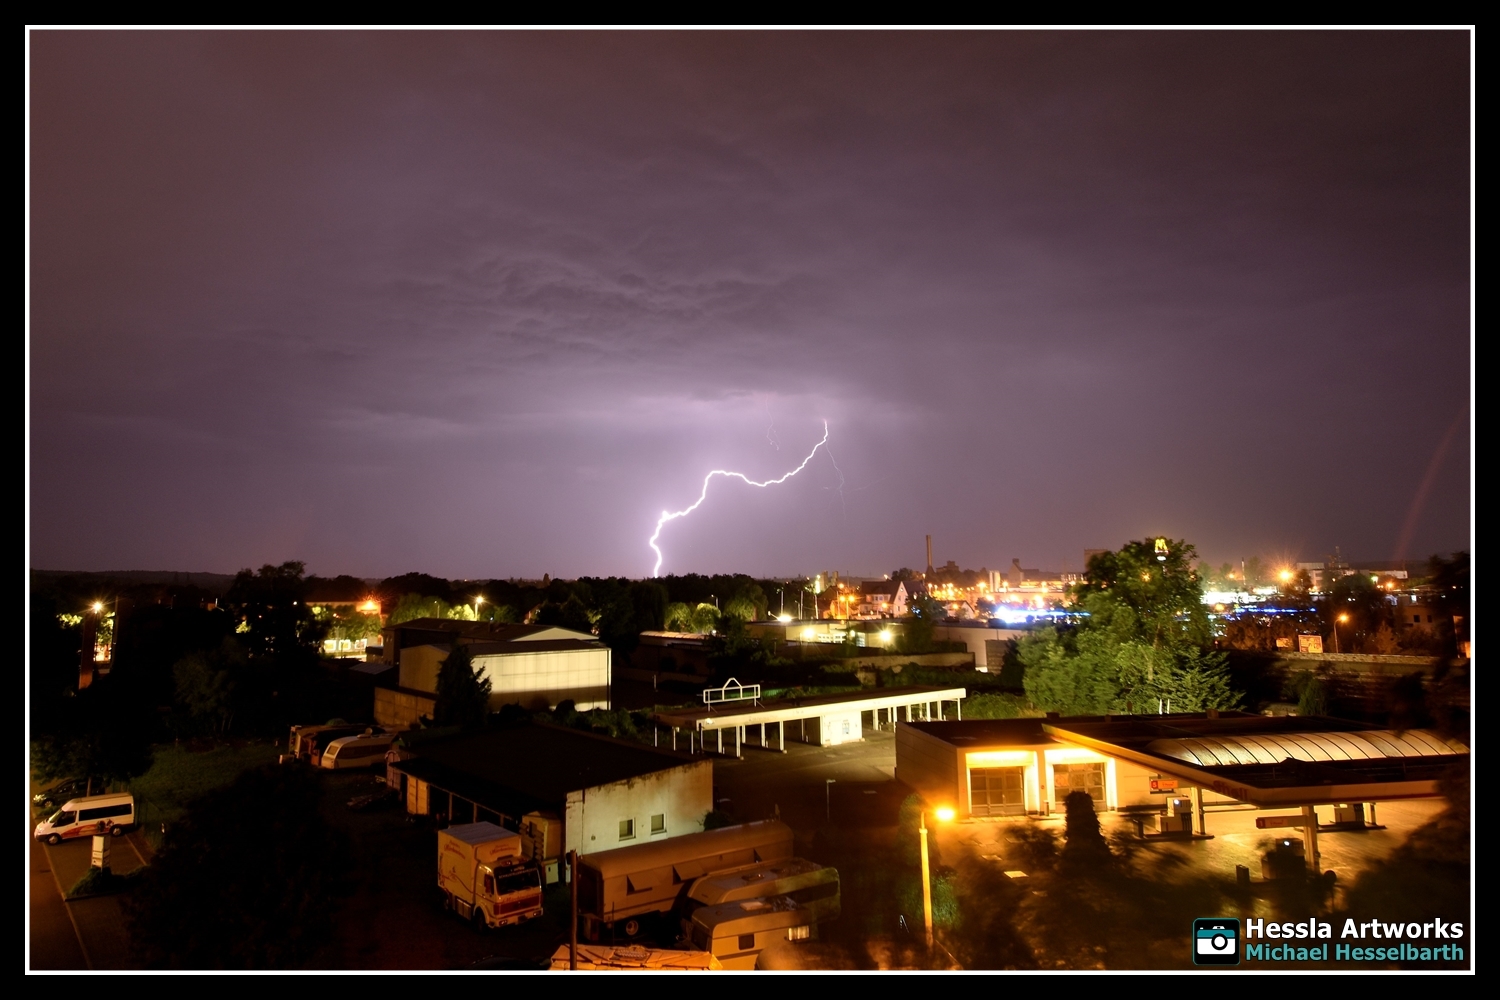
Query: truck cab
[484,877]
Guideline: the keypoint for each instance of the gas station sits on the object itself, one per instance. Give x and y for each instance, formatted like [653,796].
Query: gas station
[1176,769]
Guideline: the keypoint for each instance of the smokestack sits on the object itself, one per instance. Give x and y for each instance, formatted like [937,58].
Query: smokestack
[929,555]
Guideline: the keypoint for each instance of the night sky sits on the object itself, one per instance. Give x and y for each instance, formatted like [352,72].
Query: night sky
[485,304]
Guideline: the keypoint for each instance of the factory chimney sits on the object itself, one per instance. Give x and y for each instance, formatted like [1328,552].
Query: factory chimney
[929,555]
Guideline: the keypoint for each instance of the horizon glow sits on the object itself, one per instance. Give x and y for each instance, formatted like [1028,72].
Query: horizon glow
[703,495]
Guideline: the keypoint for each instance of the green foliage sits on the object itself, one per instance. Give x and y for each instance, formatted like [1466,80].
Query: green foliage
[916,638]
[463,697]
[243,881]
[574,614]
[1448,594]
[717,818]
[346,623]
[178,775]
[748,603]
[414,606]
[208,685]
[705,619]
[678,617]
[997,706]
[275,620]
[102,881]
[1162,590]
[97,733]
[1142,642]
[1310,689]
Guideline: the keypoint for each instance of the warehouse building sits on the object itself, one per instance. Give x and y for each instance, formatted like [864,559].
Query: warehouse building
[534,666]
[604,792]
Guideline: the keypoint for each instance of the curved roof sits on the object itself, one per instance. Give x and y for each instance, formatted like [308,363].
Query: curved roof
[1273,749]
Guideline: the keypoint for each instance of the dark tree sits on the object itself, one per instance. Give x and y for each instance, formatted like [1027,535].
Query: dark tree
[1448,594]
[463,698]
[1084,841]
[275,619]
[101,732]
[572,613]
[243,881]
[54,662]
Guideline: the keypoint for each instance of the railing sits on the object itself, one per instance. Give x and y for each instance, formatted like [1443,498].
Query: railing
[732,690]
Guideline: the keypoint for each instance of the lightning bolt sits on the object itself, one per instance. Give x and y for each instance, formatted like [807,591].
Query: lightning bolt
[667,516]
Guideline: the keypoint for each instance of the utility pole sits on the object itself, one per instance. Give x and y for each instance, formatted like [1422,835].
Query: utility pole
[573,923]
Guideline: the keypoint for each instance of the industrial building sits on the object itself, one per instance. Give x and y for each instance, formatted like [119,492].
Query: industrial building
[535,666]
[606,793]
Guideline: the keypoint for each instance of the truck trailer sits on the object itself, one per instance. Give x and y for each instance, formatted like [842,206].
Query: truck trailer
[484,878]
[624,890]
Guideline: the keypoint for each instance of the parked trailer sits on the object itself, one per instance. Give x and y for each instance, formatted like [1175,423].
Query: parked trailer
[736,933]
[624,889]
[484,878]
[737,914]
[308,742]
[366,750]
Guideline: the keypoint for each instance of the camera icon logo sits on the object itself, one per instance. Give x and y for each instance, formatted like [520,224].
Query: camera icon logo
[1216,941]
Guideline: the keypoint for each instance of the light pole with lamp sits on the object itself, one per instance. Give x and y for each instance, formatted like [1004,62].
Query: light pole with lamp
[943,815]
[1340,618]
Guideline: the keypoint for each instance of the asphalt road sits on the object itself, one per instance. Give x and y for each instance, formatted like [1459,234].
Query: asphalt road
[83,933]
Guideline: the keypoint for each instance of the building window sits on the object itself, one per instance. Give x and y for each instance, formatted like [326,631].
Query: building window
[627,829]
[659,823]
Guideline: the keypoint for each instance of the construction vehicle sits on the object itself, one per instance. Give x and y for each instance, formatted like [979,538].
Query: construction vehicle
[484,877]
[623,892]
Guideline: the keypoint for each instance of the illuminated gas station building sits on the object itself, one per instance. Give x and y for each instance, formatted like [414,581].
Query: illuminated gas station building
[1171,768]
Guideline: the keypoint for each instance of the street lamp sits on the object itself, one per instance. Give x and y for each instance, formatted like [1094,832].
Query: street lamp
[1340,618]
[943,815]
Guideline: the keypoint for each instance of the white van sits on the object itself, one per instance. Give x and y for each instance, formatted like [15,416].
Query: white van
[367,750]
[89,816]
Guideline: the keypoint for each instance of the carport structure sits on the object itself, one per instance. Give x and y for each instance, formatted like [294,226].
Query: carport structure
[838,717]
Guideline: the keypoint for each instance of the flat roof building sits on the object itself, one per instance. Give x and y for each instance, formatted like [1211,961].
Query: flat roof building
[606,792]
[534,666]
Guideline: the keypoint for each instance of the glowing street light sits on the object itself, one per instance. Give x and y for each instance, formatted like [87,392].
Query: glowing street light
[97,606]
[942,814]
[1336,621]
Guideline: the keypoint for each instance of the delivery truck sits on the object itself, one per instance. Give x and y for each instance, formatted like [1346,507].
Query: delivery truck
[484,877]
[623,892]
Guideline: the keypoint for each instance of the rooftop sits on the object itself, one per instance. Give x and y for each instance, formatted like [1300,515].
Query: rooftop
[538,764]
